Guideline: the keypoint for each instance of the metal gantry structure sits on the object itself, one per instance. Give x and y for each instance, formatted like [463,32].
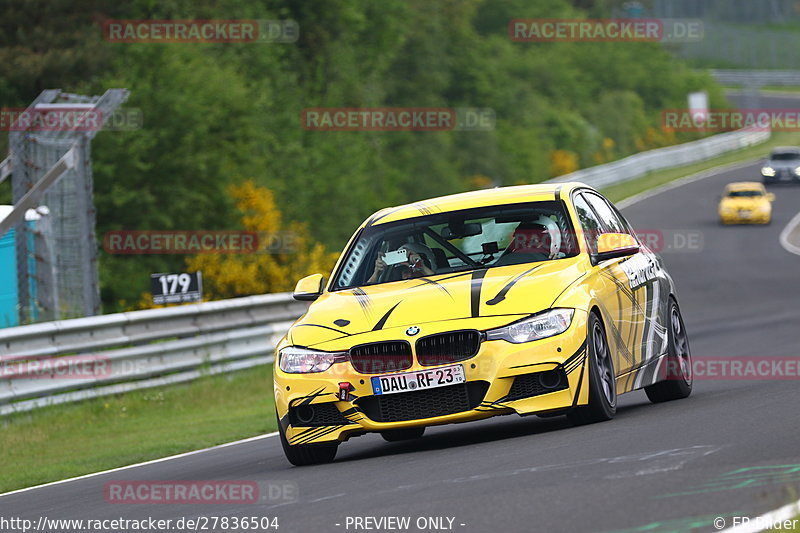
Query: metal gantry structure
[51,173]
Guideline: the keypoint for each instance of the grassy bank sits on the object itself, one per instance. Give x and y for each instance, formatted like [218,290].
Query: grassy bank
[73,439]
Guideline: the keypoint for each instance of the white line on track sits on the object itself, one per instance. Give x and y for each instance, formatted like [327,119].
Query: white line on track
[788,230]
[766,520]
[154,461]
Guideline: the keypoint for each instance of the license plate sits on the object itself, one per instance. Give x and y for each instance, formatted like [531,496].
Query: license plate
[744,213]
[419,380]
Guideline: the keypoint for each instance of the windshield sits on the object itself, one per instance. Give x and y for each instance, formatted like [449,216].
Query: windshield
[744,194]
[784,156]
[458,241]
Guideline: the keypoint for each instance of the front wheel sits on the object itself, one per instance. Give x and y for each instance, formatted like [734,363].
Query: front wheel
[307,454]
[602,380]
[678,382]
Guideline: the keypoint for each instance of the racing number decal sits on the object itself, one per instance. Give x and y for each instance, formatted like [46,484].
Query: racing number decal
[640,268]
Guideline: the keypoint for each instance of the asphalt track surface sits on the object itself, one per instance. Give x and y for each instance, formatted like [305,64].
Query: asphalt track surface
[726,450]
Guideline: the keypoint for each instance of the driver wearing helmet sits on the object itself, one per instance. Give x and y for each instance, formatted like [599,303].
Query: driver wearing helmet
[418,264]
[541,237]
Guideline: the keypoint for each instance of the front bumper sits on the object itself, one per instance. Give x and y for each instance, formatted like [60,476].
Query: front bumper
[754,217]
[502,378]
[784,175]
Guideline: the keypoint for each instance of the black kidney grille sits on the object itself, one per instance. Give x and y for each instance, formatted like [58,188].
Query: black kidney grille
[448,347]
[381,357]
[424,403]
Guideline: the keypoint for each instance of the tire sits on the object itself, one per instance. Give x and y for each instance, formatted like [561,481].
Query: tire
[601,378]
[307,454]
[679,362]
[396,435]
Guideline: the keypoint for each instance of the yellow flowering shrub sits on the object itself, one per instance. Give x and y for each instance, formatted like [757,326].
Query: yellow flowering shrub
[285,252]
[563,162]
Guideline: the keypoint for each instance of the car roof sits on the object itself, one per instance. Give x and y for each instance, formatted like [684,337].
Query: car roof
[472,199]
[744,186]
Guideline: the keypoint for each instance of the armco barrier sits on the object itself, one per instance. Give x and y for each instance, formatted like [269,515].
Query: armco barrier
[640,164]
[144,347]
[757,78]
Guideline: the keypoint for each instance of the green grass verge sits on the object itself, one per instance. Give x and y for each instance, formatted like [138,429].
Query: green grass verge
[73,439]
[661,177]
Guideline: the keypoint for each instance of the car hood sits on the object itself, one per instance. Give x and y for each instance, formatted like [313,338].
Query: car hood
[495,292]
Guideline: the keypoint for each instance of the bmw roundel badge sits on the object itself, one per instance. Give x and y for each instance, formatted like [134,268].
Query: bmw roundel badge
[413,330]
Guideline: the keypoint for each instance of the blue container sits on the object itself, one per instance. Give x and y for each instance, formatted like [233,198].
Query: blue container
[9,289]
[8,277]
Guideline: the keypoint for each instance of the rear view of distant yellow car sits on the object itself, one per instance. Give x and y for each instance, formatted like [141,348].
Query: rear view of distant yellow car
[746,202]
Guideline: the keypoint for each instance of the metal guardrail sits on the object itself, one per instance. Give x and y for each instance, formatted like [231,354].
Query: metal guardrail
[757,78]
[138,349]
[640,164]
[155,347]
[5,168]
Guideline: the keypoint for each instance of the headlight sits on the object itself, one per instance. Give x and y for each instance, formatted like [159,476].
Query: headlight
[767,171]
[540,326]
[296,360]
[797,171]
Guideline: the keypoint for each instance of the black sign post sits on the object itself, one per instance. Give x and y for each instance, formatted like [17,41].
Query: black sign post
[176,288]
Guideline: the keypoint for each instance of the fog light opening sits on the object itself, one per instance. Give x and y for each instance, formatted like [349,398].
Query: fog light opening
[304,413]
[550,379]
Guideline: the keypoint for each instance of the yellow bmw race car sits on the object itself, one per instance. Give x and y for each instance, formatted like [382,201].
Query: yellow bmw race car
[536,299]
[746,202]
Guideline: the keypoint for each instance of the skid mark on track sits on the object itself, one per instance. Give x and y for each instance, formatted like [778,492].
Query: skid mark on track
[748,477]
[625,466]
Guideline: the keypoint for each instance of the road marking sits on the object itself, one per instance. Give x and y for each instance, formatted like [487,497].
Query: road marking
[765,521]
[153,461]
[790,228]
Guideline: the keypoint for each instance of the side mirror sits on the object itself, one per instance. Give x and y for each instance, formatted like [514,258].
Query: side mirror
[309,288]
[771,196]
[613,245]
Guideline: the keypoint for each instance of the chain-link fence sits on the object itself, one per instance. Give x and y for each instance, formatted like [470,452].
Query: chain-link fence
[56,248]
[734,11]
[750,34]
